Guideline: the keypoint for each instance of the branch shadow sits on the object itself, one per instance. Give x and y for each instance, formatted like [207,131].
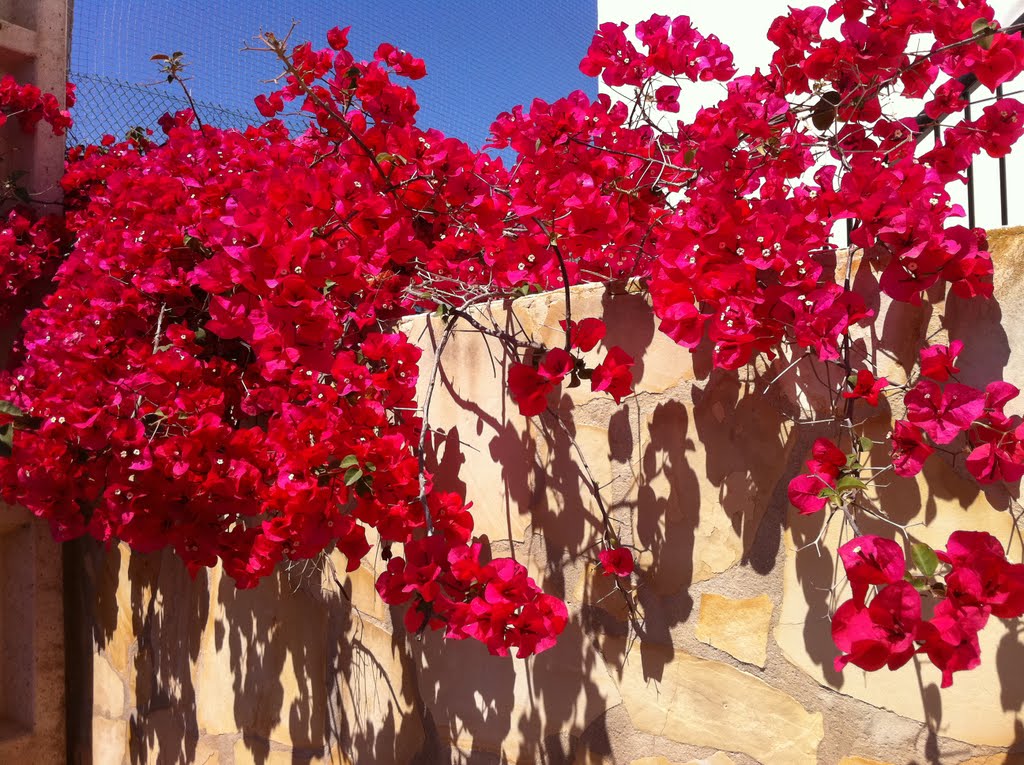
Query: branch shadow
[168,612]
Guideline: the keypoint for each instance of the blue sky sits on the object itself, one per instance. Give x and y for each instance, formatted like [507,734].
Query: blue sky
[482,57]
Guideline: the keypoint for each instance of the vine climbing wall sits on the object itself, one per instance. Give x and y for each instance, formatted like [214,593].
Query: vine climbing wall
[717,652]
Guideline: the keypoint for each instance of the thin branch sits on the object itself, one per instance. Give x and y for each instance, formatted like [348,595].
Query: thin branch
[279,49]
[565,283]
[421,452]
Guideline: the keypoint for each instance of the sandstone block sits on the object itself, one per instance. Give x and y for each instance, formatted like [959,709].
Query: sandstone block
[738,627]
[712,704]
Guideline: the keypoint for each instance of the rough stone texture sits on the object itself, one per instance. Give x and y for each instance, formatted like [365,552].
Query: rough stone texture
[719,758]
[570,680]
[738,627]
[108,689]
[972,710]
[109,740]
[733,665]
[385,725]
[996,759]
[709,703]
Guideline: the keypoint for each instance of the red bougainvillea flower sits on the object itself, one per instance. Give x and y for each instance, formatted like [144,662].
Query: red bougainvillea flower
[586,333]
[951,638]
[404,64]
[943,413]
[538,625]
[555,365]
[982,576]
[529,386]
[997,395]
[938,361]
[497,603]
[909,450]
[614,374]
[209,368]
[616,561]
[528,389]
[614,58]
[881,634]
[963,547]
[826,456]
[337,38]
[998,455]
[804,491]
[826,461]
[867,387]
[871,560]
[667,97]
[948,100]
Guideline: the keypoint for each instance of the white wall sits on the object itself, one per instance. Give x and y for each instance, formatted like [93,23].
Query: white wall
[743,25]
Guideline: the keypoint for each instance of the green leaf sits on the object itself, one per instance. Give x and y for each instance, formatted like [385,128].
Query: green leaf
[352,475]
[349,461]
[921,584]
[980,27]
[364,485]
[6,440]
[848,482]
[924,558]
[6,407]
[866,444]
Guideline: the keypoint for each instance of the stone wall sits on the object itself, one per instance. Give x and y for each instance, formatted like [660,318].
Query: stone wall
[729,663]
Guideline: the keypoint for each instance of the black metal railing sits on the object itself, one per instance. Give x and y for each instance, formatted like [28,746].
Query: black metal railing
[931,128]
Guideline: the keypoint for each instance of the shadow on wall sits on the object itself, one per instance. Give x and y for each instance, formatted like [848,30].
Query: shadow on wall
[943,498]
[146,619]
[693,472]
[207,669]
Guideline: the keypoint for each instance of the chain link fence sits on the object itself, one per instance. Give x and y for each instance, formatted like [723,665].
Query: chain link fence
[131,106]
[482,57]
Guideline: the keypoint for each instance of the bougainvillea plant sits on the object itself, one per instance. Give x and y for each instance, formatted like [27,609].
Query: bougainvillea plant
[218,366]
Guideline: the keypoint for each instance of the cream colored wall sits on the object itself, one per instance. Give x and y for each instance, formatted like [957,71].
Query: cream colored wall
[743,25]
[732,662]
